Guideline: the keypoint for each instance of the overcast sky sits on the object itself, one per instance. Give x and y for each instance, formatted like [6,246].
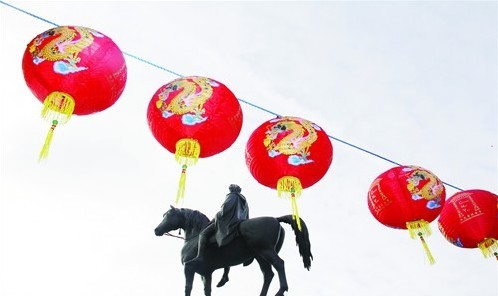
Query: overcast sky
[415,82]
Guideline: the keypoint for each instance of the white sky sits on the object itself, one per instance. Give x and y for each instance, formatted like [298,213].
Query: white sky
[413,81]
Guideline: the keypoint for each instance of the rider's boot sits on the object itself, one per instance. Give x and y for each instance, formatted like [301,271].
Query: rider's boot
[203,239]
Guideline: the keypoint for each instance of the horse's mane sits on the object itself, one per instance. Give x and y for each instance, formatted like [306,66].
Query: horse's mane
[195,220]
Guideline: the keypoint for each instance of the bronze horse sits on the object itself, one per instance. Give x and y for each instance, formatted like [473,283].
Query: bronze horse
[259,238]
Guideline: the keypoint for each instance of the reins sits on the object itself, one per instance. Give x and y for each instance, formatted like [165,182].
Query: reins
[177,236]
[172,235]
[181,237]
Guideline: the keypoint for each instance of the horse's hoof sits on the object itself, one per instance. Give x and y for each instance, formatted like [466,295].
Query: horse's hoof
[222,282]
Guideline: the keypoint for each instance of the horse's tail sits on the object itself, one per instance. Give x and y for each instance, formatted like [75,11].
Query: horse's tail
[302,239]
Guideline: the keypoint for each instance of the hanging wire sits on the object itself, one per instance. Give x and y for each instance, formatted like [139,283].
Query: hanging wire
[151,64]
[241,100]
[28,13]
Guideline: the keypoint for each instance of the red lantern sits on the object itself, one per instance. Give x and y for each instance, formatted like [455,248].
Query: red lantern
[470,220]
[289,154]
[407,197]
[73,70]
[194,117]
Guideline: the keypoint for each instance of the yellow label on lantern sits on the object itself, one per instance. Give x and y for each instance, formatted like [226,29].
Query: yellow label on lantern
[378,201]
[466,207]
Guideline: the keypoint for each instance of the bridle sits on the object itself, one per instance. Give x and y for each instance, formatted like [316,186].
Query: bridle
[179,233]
[172,235]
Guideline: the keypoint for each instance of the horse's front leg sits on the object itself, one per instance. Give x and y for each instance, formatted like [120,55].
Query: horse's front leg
[224,277]
[189,280]
[206,279]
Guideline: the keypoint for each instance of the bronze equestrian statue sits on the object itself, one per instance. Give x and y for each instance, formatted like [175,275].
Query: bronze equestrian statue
[239,240]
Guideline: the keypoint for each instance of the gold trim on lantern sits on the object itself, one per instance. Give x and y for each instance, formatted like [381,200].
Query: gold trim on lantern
[58,106]
[187,151]
[288,185]
[489,248]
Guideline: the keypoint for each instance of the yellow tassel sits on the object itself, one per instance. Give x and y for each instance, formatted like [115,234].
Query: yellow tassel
[489,248]
[57,108]
[181,184]
[48,139]
[187,153]
[421,229]
[295,212]
[427,251]
[291,187]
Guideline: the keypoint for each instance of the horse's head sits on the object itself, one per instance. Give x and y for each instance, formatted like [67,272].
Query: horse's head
[172,220]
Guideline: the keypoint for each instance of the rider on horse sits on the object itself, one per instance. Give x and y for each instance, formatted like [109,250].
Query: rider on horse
[224,225]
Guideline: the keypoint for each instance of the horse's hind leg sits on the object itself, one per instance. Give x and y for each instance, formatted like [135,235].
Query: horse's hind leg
[272,257]
[267,275]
